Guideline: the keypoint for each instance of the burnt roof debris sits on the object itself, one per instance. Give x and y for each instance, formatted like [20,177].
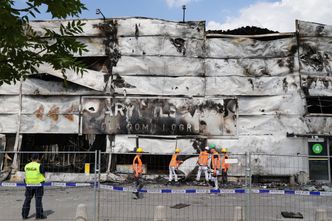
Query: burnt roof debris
[247,30]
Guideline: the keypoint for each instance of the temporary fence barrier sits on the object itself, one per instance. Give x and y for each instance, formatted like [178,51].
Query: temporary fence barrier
[264,187]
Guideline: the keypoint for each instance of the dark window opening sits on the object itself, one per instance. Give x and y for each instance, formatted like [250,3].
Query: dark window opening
[318,169]
[57,146]
[95,63]
[319,105]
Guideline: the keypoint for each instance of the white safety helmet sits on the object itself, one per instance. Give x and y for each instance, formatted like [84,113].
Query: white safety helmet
[207,148]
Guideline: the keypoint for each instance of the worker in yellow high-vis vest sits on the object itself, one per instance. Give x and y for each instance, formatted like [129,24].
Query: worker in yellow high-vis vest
[34,179]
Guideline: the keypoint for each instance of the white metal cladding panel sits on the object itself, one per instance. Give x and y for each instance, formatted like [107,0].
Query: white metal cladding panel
[292,104]
[91,79]
[95,45]
[127,27]
[313,29]
[89,28]
[64,124]
[161,45]
[143,27]
[188,86]
[45,106]
[263,143]
[315,55]
[250,48]
[10,89]
[317,85]
[8,123]
[251,67]
[319,125]
[159,65]
[263,86]
[9,104]
[42,87]
[271,124]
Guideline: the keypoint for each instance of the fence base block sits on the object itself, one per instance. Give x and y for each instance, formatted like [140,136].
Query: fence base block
[321,215]
[81,213]
[159,213]
[238,214]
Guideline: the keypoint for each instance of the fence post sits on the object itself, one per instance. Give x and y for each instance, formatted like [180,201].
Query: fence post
[238,214]
[95,189]
[98,189]
[248,185]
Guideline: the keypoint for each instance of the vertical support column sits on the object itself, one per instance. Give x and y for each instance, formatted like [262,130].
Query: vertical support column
[248,185]
[95,188]
[98,185]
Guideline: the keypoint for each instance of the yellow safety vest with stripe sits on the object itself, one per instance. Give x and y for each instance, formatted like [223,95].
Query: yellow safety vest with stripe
[32,173]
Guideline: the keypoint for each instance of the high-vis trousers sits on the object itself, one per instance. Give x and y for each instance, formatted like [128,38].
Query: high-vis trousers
[205,170]
[215,179]
[172,173]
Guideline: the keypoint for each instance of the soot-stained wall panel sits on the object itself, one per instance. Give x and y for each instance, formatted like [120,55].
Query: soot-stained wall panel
[277,125]
[159,66]
[146,27]
[316,85]
[269,144]
[33,86]
[89,29]
[290,104]
[166,46]
[173,116]
[91,79]
[250,48]
[50,114]
[251,67]
[311,29]
[319,125]
[315,55]
[57,124]
[139,85]
[251,86]
[8,123]
[48,106]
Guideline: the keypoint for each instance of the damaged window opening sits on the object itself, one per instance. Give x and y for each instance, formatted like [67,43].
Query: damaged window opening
[56,159]
[319,105]
[95,63]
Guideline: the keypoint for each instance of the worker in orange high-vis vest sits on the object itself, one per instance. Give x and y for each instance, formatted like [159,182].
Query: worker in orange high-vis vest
[138,170]
[215,166]
[173,165]
[203,162]
[224,166]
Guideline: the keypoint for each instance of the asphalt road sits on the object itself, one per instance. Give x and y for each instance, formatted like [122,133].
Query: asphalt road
[60,204]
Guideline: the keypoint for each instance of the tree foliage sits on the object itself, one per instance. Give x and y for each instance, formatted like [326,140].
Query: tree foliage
[22,49]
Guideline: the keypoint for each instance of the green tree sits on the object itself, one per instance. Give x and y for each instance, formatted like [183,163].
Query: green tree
[22,50]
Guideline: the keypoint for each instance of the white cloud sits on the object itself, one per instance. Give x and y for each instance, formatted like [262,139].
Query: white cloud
[177,3]
[279,15]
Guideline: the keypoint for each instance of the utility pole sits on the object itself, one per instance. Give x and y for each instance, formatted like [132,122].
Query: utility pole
[184,13]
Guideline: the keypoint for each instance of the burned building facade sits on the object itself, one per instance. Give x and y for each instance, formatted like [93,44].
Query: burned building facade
[160,84]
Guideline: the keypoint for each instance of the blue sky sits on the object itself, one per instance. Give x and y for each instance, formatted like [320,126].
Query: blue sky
[277,15]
